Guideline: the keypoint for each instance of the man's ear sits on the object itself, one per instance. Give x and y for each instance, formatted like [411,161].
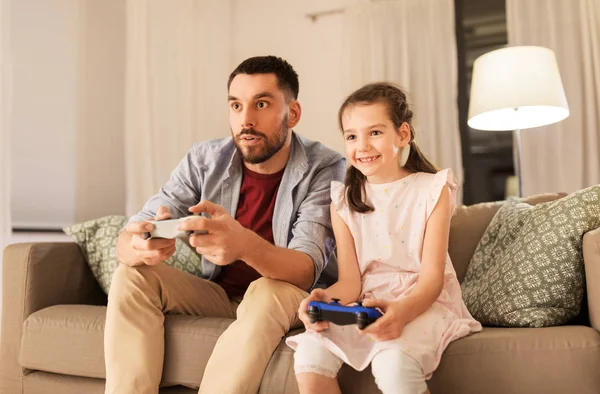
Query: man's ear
[295,111]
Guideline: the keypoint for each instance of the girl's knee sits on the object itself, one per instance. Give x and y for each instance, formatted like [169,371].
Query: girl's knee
[312,361]
[312,383]
[398,373]
[310,380]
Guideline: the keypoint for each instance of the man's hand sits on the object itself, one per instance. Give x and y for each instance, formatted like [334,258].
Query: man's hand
[149,252]
[391,324]
[227,239]
[315,295]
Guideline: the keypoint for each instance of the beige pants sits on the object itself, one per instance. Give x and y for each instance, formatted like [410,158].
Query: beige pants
[134,334]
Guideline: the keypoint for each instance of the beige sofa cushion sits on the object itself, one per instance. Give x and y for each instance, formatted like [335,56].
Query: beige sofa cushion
[39,382]
[469,223]
[67,339]
[512,360]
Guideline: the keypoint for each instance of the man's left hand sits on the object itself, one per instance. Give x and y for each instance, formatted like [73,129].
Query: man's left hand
[226,239]
[391,324]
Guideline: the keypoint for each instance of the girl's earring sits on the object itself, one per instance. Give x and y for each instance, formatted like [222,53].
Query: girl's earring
[404,155]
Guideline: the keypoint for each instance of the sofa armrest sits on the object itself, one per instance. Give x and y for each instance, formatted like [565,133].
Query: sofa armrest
[591,259]
[36,276]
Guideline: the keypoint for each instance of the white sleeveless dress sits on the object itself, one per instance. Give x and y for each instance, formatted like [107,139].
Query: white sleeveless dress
[388,245]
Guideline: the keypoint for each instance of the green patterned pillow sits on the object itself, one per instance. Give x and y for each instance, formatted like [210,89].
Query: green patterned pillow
[97,239]
[527,270]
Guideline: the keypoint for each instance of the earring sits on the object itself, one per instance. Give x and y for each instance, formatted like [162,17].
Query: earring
[404,155]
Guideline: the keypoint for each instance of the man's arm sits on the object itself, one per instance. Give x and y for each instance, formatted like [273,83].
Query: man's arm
[125,253]
[312,232]
[133,250]
[227,241]
[266,258]
[301,263]
[180,192]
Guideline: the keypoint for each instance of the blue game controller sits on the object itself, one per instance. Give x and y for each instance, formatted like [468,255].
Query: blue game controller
[342,315]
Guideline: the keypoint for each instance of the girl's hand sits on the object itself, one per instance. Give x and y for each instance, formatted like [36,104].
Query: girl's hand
[390,325]
[315,295]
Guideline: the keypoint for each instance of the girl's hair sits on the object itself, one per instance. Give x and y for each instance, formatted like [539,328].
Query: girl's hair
[395,100]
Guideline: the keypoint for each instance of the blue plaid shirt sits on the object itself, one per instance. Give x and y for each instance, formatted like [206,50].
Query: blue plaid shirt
[212,170]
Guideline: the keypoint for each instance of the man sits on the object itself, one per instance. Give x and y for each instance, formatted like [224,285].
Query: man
[267,192]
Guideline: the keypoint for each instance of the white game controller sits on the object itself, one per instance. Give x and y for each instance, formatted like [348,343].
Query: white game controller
[168,229]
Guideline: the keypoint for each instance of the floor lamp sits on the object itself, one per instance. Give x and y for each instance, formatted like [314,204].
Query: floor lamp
[516,88]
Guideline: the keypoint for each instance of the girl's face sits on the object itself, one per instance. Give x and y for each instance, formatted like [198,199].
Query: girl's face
[372,143]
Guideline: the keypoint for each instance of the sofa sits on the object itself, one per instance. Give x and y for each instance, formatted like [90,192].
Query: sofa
[54,311]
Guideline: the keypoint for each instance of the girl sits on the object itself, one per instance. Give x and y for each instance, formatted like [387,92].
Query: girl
[391,222]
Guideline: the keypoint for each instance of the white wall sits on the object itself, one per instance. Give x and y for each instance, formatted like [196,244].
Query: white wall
[99,154]
[69,58]
[44,118]
[272,27]
[67,111]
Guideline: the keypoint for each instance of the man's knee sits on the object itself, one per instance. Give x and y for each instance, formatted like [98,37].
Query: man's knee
[266,286]
[127,274]
[127,280]
[269,297]
[272,291]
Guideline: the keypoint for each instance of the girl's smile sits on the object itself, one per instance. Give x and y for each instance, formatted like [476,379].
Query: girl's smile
[368,160]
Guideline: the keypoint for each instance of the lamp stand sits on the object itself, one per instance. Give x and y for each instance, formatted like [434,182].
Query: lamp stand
[517,154]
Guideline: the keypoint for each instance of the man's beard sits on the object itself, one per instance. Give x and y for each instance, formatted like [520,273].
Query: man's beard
[261,153]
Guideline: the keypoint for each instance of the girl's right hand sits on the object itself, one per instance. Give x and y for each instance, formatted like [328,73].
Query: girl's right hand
[315,295]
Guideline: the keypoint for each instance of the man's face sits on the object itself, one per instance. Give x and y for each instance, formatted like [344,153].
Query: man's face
[258,116]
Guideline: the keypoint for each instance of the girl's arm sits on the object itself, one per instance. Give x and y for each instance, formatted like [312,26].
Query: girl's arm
[431,278]
[433,259]
[348,286]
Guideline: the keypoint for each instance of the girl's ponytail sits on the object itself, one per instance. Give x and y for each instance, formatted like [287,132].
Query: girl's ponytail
[355,186]
[417,162]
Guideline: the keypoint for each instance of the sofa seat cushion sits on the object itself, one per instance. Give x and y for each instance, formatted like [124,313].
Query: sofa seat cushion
[69,339]
[494,361]
[512,360]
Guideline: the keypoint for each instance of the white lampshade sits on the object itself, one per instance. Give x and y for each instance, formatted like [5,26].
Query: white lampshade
[516,88]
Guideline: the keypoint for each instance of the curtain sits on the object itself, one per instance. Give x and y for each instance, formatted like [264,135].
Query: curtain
[5,101]
[411,43]
[175,87]
[563,156]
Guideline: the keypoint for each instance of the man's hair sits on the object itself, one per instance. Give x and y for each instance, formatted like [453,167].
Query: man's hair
[287,78]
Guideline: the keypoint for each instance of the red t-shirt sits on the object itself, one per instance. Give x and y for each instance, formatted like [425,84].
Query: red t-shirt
[255,212]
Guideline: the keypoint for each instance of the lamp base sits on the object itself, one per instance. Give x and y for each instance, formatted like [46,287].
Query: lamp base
[517,159]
